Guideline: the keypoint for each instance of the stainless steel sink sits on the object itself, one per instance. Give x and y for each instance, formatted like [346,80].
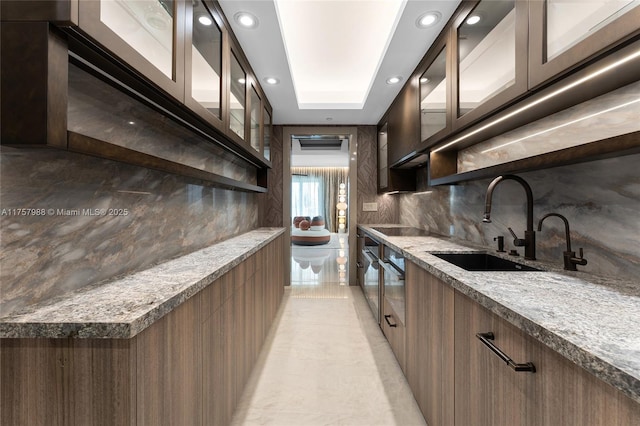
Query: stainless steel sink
[482,262]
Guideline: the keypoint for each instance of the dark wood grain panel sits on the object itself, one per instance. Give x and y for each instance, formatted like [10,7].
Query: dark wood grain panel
[63,12]
[487,392]
[169,376]
[34,84]
[430,344]
[31,389]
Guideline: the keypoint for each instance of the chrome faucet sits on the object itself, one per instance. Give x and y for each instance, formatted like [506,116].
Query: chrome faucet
[529,241]
[570,259]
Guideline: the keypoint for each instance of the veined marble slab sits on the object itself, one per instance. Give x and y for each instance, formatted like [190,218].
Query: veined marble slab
[591,321]
[122,308]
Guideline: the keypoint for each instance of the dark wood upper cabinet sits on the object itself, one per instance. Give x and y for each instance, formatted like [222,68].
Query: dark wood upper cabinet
[255,120]
[489,48]
[205,79]
[391,179]
[148,35]
[564,34]
[435,94]
[404,123]
[266,133]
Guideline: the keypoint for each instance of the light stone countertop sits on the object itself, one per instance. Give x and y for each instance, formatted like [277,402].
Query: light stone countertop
[122,308]
[592,321]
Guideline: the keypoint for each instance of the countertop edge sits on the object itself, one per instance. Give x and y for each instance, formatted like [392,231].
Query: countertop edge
[600,368]
[12,327]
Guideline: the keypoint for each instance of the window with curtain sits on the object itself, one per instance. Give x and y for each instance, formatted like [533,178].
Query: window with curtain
[314,192]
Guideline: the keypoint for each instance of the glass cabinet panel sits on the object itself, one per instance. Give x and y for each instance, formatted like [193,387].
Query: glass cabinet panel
[206,60]
[570,21]
[383,177]
[267,135]
[486,53]
[433,97]
[255,120]
[238,93]
[145,25]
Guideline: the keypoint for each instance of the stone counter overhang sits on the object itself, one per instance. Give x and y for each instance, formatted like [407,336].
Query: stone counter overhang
[122,308]
[592,321]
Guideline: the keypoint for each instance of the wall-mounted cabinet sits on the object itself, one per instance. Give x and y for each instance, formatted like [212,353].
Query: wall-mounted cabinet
[390,179]
[502,65]
[489,50]
[204,64]
[148,35]
[186,49]
[565,34]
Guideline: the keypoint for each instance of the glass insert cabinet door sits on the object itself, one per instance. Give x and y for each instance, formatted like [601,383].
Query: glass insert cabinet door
[206,60]
[254,125]
[569,21]
[145,34]
[237,102]
[383,175]
[567,33]
[433,97]
[267,135]
[146,26]
[486,53]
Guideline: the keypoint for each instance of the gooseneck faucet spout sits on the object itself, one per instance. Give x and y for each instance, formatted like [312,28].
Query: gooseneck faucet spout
[570,259]
[529,241]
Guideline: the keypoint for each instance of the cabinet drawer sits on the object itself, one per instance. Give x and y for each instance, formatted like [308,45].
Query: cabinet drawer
[394,331]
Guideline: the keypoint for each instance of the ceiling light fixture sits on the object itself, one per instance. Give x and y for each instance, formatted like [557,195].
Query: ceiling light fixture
[246,19]
[394,80]
[271,80]
[428,19]
[473,19]
[205,20]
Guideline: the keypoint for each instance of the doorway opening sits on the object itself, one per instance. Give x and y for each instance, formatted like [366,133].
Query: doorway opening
[319,204]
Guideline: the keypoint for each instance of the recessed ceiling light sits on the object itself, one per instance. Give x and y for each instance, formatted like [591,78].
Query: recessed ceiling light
[242,81]
[394,80]
[428,19]
[205,20]
[246,19]
[271,80]
[473,19]
[424,80]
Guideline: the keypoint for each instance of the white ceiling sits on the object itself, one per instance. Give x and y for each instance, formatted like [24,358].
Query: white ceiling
[266,52]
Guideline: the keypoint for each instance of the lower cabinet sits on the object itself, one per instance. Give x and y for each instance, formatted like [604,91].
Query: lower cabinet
[188,368]
[488,392]
[456,379]
[430,344]
[394,331]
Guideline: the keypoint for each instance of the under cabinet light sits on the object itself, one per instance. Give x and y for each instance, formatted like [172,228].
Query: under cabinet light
[553,94]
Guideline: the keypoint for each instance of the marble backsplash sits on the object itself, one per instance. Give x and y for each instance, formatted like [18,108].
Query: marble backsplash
[612,114]
[367,184]
[102,112]
[69,243]
[601,200]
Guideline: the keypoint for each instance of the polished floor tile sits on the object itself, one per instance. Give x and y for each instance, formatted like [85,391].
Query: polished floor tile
[326,362]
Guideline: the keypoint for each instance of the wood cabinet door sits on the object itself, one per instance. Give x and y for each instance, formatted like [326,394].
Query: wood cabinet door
[394,331]
[404,123]
[155,51]
[564,35]
[430,344]
[488,392]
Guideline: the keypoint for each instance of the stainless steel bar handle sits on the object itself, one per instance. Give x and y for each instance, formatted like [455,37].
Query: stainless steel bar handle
[386,318]
[390,269]
[487,338]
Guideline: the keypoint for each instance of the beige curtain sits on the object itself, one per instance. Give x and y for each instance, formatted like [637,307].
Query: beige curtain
[331,178]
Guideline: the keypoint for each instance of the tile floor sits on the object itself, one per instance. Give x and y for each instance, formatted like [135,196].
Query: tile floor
[325,361]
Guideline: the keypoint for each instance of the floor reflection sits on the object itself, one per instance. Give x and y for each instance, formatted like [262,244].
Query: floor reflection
[325,264]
